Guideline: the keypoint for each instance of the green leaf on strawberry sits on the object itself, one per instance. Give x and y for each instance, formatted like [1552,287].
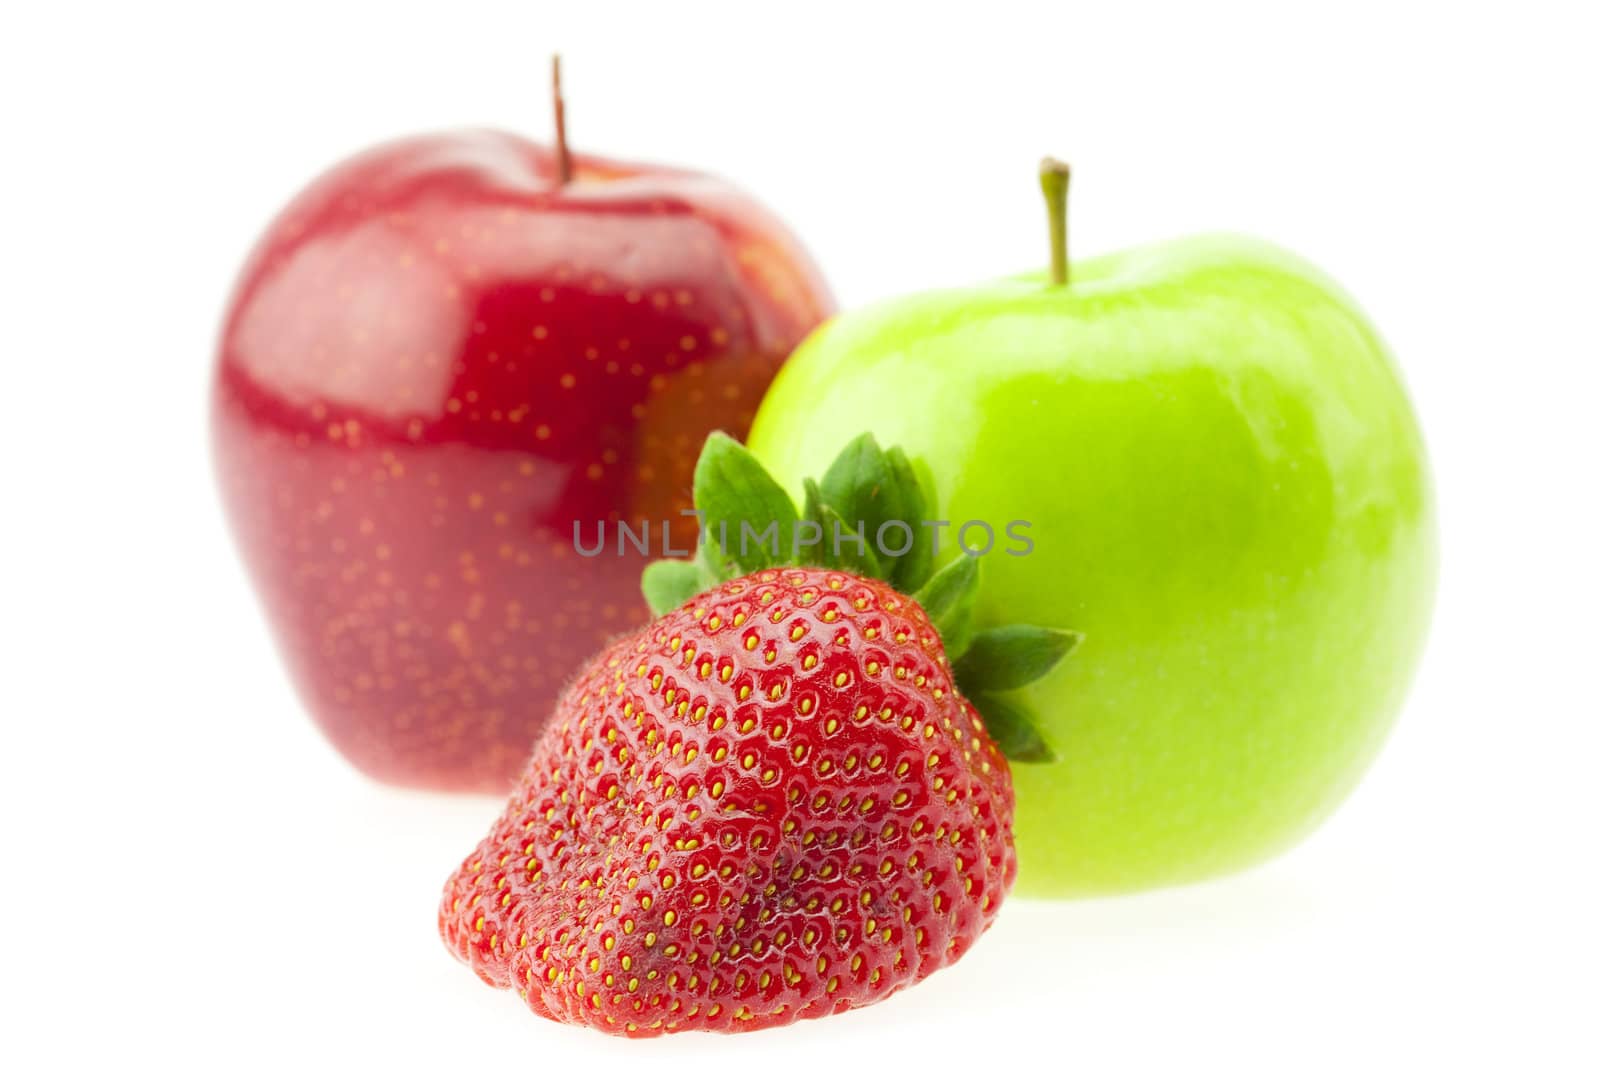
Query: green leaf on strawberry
[916,566]
[669,582]
[1011,726]
[866,516]
[1010,657]
[948,599]
[747,520]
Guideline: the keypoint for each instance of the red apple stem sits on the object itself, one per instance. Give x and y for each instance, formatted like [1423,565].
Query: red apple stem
[563,156]
[1053,178]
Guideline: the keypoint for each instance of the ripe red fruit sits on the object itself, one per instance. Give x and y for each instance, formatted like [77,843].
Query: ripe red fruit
[771,804]
[436,360]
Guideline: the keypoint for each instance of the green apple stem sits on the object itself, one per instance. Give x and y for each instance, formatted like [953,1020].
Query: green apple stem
[1053,178]
[563,157]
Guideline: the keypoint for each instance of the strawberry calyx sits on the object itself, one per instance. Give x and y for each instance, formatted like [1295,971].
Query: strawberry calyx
[865,516]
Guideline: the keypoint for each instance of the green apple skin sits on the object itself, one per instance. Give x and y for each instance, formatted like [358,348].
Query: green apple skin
[1228,496]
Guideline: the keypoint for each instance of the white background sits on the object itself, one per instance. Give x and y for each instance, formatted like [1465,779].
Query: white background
[191,875]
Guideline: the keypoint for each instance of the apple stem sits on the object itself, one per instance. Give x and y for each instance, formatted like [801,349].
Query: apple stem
[1053,178]
[563,156]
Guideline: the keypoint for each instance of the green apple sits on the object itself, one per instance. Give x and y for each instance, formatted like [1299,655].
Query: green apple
[1228,497]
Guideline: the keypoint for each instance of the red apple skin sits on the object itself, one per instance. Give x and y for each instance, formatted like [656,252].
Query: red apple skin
[436,360]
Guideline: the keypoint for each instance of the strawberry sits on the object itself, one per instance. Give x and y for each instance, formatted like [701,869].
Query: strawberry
[772,803]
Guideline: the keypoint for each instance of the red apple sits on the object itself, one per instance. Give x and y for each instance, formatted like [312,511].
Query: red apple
[439,357]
